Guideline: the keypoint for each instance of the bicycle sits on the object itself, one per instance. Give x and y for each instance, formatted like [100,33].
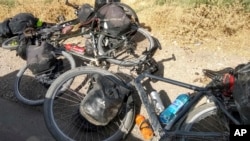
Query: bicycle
[127,49]
[124,50]
[65,122]
[97,53]
[40,81]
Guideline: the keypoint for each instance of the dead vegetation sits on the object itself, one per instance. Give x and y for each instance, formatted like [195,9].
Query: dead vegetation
[192,25]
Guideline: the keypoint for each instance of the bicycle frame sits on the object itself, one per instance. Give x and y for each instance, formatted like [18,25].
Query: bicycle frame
[161,132]
[99,55]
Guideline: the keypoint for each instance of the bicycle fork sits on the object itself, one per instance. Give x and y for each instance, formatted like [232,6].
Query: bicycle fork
[158,130]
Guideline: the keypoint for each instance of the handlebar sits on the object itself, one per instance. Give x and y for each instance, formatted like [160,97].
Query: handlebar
[44,32]
[29,32]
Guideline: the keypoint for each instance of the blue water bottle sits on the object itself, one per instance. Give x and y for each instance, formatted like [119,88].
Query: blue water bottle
[167,115]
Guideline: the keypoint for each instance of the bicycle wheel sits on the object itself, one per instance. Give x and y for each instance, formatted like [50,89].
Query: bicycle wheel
[206,118]
[62,109]
[128,51]
[11,43]
[26,82]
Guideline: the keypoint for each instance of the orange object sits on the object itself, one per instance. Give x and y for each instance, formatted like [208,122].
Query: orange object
[144,127]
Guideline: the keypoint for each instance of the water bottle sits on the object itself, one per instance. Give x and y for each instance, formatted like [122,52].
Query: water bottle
[156,100]
[168,114]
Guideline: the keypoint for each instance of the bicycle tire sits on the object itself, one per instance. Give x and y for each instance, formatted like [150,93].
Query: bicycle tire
[140,33]
[11,43]
[22,97]
[53,109]
[203,119]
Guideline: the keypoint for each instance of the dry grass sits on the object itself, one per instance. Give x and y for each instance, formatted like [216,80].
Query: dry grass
[196,24]
[187,25]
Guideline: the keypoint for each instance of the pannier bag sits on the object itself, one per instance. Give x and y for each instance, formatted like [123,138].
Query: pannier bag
[100,3]
[24,42]
[5,31]
[85,13]
[114,20]
[41,58]
[241,91]
[103,101]
[16,25]
[19,22]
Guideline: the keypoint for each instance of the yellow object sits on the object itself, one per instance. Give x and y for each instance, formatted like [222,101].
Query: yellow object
[39,23]
[144,127]
[13,43]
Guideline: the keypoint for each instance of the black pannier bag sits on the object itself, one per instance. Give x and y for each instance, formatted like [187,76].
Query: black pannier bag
[41,59]
[21,21]
[100,3]
[85,13]
[241,91]
[4,29]
[114,20]
[24,42]
[104,99]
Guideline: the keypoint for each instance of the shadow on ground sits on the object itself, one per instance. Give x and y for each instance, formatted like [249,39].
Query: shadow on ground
[19,122]
[23,122]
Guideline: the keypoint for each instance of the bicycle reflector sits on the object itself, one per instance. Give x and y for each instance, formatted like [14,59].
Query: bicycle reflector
[228,83]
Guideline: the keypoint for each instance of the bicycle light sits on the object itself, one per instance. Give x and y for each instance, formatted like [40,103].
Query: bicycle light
[228,81]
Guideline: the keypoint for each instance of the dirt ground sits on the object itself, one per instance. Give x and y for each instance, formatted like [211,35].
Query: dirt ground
[186,68]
